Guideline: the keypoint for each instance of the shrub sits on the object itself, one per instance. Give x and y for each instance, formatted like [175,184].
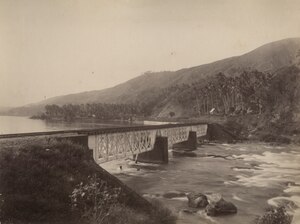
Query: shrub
[275,216]
[98,204]
[36,181]
[58,182]
[94,200]
[120,214]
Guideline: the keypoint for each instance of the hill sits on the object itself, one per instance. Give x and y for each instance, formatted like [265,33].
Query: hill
[268,58]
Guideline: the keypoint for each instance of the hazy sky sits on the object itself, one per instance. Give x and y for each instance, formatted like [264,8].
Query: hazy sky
[55,47]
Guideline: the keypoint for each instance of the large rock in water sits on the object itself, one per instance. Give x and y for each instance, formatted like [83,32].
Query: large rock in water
[221,207]
[197,200]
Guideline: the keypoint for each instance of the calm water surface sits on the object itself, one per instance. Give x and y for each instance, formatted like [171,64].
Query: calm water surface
[14,124]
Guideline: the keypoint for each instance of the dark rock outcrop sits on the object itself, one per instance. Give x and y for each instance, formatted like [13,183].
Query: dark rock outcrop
[221,207]
[197,200]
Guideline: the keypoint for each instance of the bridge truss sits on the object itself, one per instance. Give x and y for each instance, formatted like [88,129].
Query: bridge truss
[111,146]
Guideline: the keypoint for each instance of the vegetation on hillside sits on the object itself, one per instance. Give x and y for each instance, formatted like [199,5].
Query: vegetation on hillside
[99,111]
[241,94]
[272,100]
[266,59]
[250,92]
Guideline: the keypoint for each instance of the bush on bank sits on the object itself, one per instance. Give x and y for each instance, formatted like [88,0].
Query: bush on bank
[261,128]
[36,181]
[56,182]
[120,214]
[275,216]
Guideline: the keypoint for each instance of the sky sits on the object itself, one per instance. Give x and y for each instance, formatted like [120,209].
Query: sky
[55,47]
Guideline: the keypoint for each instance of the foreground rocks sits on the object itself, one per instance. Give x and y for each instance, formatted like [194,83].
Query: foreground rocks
[214,204]
[197,200]
[221,207]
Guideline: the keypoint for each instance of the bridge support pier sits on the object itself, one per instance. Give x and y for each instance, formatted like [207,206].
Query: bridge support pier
[190,144]
[159,153]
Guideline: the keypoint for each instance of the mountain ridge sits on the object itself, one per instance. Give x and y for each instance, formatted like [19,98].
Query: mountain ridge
[266,58]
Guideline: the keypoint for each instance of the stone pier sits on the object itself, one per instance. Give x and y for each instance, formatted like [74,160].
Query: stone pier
[159,153]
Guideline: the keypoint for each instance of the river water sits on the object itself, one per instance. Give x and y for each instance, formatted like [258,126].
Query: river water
[15,124]
[253,176]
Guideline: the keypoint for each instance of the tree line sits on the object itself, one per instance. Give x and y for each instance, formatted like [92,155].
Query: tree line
[90,110]
[223,94]
[249,92]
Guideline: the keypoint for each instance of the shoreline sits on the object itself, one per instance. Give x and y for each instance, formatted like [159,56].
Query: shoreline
[248,127]
[220,160]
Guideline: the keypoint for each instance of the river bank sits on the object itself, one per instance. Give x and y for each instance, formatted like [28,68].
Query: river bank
[48,181]
[265,128]
[251,175]
[250,126]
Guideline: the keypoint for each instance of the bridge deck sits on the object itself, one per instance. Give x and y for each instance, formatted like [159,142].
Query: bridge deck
[99,130]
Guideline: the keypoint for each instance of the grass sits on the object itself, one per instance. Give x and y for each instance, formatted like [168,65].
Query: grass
[38,179]
[121,214]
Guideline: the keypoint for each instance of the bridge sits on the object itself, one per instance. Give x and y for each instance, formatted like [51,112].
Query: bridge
[118,144]
[144,143]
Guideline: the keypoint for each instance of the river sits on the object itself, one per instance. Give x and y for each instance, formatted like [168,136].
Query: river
[253,176]
[16,124]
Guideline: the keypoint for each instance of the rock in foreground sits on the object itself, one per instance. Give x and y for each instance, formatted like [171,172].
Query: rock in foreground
[221,207]
[197,200]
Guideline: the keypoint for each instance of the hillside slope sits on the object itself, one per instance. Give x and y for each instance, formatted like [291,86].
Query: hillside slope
[267,58]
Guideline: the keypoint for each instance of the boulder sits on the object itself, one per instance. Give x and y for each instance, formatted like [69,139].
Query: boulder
[213,197]
[220,207]
[197,200]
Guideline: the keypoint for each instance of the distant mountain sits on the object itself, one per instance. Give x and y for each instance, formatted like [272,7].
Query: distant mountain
[3,109]
[267,58]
